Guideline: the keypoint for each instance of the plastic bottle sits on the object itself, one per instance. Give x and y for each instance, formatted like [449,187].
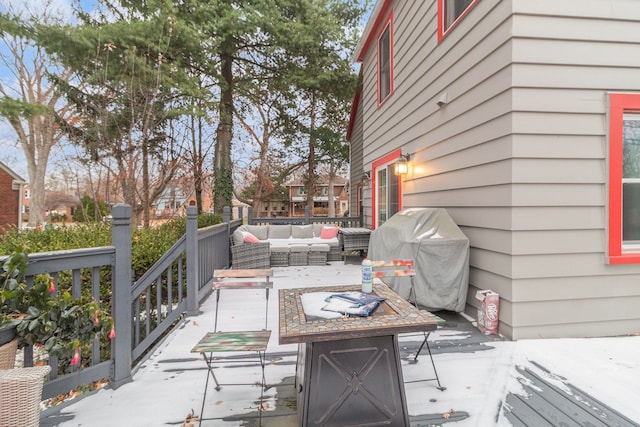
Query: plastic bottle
[367,275]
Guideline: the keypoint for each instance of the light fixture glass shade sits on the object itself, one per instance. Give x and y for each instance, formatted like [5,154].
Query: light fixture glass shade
[401,168]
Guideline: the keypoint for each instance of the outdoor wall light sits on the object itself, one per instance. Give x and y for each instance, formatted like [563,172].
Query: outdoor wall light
[402,166]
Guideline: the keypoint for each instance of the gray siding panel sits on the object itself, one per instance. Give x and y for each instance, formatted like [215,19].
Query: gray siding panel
[355,161]
[518,154]
[563,288]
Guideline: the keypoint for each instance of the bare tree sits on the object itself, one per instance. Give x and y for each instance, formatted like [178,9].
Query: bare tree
[29,102]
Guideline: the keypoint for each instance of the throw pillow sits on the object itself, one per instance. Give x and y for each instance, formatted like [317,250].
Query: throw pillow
[260,231]
[329,232]
[250,238]
[302,231]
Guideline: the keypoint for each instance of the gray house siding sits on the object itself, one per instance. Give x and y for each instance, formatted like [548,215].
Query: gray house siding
[567,56]
[518,154]
[355,160]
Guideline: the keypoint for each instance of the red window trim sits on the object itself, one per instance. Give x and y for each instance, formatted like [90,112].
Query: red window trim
[388,23]
[381,161]
[619,103]
[442,33]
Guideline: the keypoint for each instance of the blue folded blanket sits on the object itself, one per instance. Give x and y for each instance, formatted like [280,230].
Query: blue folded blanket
[353,303]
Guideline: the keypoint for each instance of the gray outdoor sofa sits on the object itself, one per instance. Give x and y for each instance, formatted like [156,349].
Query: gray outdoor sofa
[264,246]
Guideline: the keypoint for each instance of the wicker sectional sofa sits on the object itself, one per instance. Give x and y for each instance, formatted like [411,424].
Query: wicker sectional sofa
[263,246]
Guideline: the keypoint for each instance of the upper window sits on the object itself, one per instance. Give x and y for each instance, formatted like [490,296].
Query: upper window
[624,178]
[385,62]
[450,12]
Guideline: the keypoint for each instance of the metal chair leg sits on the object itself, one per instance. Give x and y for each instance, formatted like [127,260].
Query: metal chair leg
[206,384]
[415,359]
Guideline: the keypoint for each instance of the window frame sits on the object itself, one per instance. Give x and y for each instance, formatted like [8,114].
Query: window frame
[383,162]
[388,25]
[619,105]
[443,30]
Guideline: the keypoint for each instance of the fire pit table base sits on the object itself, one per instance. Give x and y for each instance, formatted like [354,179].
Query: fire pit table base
[365,379]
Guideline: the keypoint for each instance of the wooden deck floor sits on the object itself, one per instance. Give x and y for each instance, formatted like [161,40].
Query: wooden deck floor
[549,405]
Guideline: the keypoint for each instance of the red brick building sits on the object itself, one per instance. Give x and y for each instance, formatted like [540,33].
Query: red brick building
[11,185]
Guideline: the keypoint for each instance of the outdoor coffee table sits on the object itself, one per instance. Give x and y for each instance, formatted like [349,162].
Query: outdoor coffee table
[348,369]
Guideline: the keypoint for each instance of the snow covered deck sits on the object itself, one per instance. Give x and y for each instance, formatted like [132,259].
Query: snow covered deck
[482,374]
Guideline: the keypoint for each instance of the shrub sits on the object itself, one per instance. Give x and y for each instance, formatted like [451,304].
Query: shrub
[147,247]
[86,212]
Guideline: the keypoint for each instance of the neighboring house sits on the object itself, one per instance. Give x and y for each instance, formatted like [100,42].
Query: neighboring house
[11,187]
[26,198]
[176,198]
[172,203]
[298,196]
[522,119]
[272,207]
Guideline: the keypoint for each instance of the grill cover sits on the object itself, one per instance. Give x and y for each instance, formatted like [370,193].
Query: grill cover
[441,254]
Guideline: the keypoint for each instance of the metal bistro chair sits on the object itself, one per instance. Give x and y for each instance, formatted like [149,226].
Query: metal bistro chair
[236,341]
[405,268]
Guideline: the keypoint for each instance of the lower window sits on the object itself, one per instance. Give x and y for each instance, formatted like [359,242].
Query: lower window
[387,196]
[624,178]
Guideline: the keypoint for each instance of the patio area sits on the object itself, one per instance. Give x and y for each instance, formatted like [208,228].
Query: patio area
[478,371]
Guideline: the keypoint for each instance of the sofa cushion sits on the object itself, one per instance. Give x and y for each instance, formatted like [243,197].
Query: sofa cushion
[238,237]
[260,231]
[277,243]
[280,231]
[330,242]
[329,232]
[317,229]
[302,231]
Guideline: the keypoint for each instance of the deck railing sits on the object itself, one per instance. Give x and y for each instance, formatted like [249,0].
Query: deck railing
[143,310]
[146,309]
[340,221]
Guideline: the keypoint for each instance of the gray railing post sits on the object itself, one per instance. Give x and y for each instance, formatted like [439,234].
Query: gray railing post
[121,295]
[226,214]
[192,261]
[240,212]
[250,216]
[307,216]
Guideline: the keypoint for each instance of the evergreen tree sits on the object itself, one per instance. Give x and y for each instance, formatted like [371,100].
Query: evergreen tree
[129,74]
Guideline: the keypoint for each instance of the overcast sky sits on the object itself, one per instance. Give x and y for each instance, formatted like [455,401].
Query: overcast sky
[11,153]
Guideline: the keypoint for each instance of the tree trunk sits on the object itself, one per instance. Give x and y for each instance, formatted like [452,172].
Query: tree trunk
[37,147]
[145,186]
[223,179]
[263,170]
[330,191]
[311,190]
[197,162]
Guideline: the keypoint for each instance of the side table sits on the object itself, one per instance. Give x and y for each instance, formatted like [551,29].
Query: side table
[354,239]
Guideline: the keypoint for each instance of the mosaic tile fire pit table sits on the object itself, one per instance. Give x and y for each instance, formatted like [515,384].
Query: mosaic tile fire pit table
[349,369]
